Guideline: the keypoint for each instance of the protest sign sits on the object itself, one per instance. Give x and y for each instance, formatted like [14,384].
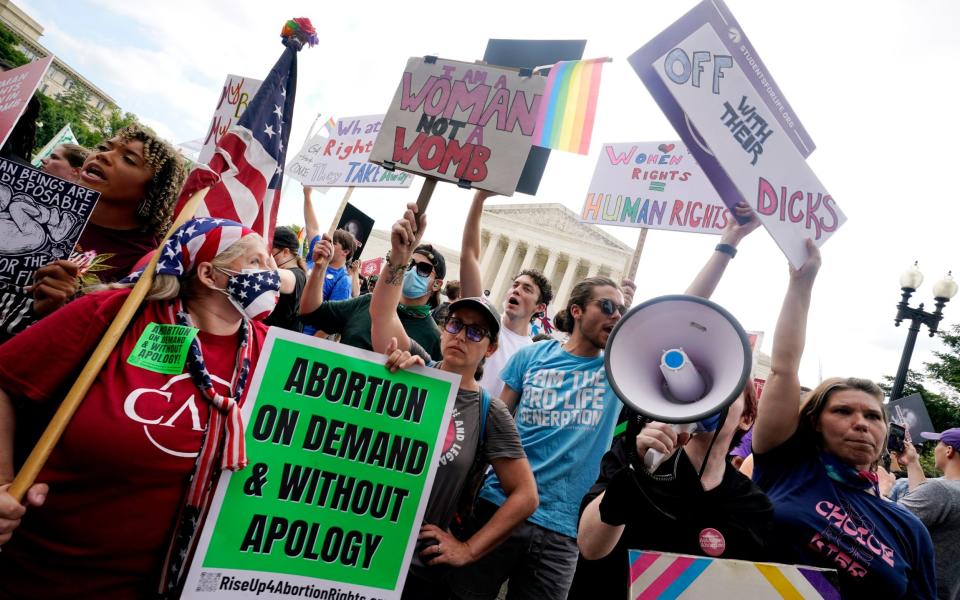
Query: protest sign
[64,136]
[341,159]
[911,412]
[358,224]
[720,98]
[530,54]
[462,122]
[342,459]
[653,184]
[16,88]
[371,267]
[681,576]
[41,219]
[237,93]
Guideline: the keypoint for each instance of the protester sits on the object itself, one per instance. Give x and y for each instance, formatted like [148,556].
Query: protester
[469,335]
[452,293]
[139,177]
[293,277]
[936,502]
[65,162]
[529,295]
[694,502]
[353,270]
[563,443]
[817,462]
[311,225]
[134,466]
[351,318]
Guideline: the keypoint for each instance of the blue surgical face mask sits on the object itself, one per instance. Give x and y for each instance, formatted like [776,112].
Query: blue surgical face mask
[415,285]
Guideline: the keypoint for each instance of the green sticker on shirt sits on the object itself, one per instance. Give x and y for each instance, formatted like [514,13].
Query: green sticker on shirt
[163,348]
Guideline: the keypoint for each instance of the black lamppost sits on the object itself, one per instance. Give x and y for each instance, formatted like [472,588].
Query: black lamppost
[943,291]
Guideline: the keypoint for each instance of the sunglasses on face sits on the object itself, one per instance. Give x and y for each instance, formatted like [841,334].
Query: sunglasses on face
[475,333]
[423,268]
[608,307]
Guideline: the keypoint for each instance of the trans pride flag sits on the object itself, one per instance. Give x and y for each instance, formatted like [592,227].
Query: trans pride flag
[570,103]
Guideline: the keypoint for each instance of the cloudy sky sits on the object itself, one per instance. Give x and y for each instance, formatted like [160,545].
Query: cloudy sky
[872,81]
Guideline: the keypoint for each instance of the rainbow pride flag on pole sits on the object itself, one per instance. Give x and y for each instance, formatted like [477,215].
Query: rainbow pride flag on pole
[570,104]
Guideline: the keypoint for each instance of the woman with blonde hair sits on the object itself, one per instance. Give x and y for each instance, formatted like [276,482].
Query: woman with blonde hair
[120,497]
[817,462]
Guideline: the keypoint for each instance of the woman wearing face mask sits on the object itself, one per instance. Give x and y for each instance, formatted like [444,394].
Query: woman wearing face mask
[293,275]
[469,336]
[817,460]
[139,177]
[163,411]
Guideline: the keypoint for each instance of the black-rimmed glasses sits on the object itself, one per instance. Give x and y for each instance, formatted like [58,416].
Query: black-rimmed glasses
[475,333]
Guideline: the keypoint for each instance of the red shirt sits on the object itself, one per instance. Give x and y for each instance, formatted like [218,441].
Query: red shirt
[118,475]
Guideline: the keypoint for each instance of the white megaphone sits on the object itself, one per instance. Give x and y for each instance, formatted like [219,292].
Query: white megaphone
[677,359]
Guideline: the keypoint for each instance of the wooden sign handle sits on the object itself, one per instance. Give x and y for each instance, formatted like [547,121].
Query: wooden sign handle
[340,209]
[426,192]
[41,452]
[634,263]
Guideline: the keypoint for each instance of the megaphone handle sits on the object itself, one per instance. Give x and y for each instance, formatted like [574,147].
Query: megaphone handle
[652,458]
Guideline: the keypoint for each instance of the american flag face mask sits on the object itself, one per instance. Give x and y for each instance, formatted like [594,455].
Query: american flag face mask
[254,292]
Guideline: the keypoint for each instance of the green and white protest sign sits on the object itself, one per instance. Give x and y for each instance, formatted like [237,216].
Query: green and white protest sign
[342,459]
[64,136]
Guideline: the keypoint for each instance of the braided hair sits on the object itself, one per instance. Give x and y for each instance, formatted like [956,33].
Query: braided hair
[169,173]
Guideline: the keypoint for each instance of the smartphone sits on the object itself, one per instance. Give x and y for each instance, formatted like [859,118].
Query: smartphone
[896,437]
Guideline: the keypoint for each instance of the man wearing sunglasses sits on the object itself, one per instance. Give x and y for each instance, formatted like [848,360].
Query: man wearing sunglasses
[421,278]
[530,293]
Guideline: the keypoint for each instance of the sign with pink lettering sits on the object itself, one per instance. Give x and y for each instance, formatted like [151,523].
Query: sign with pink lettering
[341,159]
[16,88]
[657,185]
[467,123]
[725,106]
[237,92]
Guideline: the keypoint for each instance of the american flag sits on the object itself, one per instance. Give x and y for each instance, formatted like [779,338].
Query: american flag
[259,291]
[246,170]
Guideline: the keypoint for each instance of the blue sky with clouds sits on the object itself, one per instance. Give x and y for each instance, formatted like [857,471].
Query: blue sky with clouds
[872,82]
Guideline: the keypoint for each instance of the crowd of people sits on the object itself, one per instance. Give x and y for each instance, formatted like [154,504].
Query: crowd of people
[541,496]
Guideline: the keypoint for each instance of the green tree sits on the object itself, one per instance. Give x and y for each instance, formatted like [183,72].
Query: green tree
[88,124]
[9,51]
[946,369]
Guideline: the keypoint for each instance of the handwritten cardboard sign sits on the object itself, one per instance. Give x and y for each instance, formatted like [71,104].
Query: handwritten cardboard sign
[726,107]
[237,93]
[41,219]
[16,88]
[338,481]
[341,159]
[653,184]
[461,122]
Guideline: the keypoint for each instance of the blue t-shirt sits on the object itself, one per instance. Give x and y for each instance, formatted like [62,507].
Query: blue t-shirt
[337,285]
[310,246]
[879,548]
[565,419]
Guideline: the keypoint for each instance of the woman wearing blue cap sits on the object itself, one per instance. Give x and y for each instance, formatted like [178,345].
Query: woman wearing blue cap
[477,437]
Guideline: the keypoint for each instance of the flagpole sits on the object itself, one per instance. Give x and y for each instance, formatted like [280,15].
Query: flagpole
[340,209]
[41,452]
[634,263]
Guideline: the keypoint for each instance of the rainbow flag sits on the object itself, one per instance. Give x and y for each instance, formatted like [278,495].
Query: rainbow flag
[570,103]
[330,126]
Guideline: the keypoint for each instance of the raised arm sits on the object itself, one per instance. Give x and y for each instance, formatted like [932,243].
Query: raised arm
[384,321]
[312,296]
[309,216]
[709,276]
[779,412]
[470,276]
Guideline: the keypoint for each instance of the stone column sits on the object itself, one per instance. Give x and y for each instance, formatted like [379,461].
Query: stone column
[488,253]
[566,284]
[529,257]
[503,272]
[593,270]
[551,265]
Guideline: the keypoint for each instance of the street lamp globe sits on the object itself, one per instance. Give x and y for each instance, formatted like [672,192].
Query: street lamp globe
[946,288]
[911,278]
